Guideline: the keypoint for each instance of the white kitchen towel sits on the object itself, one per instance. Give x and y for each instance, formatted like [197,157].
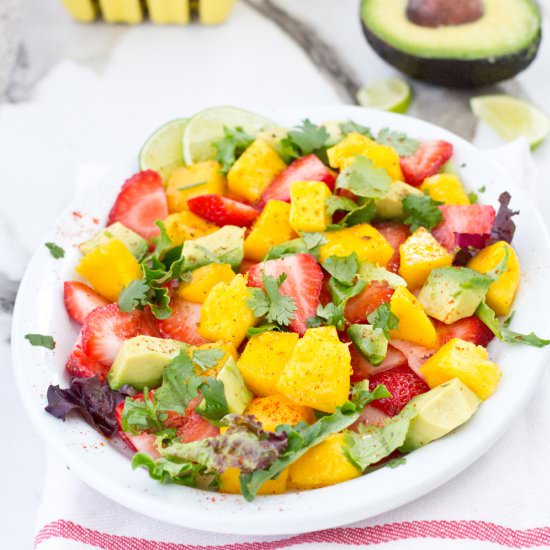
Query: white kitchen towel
[502,501]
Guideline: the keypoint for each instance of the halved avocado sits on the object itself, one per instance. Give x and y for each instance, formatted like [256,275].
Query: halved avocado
[462,44]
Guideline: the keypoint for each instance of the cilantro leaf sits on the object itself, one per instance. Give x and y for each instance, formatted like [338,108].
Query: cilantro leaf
[472,197]
[383,318]
[41,340]
[395,462]
[349,126]
[371,342]
[309,243]
[304,140]
[364,213]
[133,296]
[229,148]
[361,395]
[331,314]
[504,333]
[313,240]
[214,405]
[207,358]
[421,211]
[336,203]
[364,179]
[343,268]
[254,331]
[269,302]
[141,414]
[341,293]
[401,142]
[55,250]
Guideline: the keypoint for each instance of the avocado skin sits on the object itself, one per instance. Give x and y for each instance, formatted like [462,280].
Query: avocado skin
[455,73]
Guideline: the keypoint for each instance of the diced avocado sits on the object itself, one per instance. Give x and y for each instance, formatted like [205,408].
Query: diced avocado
[438,412]
[370,341]
[391,206]
[137,245]
[141,360]
[452,293]
[369,272]
[224,246]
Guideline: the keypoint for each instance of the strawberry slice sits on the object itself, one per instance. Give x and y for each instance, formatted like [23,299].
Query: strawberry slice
[107,327]
[193,426]
[416,354]
[223,210]
[182,324]
[360,306]
[471,219]
[80,300]
[471,329]
[304,279]
[308,168]
[363,369]
[396,234]
[402,383]
[428,159]
[370,415]
[81,365]
[140,203]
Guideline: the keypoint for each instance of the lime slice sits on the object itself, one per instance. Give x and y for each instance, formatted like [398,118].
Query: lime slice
[162,151]
[207,126]
[392,94]
[512,118]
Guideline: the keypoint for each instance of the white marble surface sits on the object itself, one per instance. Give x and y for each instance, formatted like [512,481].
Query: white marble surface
[93,93]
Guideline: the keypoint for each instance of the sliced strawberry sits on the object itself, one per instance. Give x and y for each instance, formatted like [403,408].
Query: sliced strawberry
[303,282]
[81,365]
[472,219]
[140,203]
[193,426]
[80,300]
[396,234]
[223,210]
[182,324]
[416,355]
[370,415]
[107,327]
[373,296]
[363,369]
[471,329]
[428,159]
[308,168]
[402,383]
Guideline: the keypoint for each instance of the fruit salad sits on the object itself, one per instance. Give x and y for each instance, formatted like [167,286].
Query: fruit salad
[270,310]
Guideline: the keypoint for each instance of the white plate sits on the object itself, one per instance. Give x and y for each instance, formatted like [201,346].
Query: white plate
[39,309]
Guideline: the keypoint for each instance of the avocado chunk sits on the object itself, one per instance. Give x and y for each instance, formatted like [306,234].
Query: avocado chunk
[141,360]
[137,245]
[370,341]
[438,412]
[390,207]
[370,272]
[463,44]
[452,293]
[225,246]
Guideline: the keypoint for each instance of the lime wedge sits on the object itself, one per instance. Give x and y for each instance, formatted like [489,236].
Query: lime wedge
[512,118]
[392,94]
[207,126]
[162,151]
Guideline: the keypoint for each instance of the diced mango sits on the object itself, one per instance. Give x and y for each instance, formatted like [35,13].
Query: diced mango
[108,268]
[382,156]
[275,410]
[271,228]
[318,373]
[362,239]
[323,465]
[445,188]
[502,292]
[203,279]
[263,359]
[185,226]
[230,483]
[185,183]
[254,171]
[225,314]
[419,254]
[308,211]
[414,325]
[227,347]
[465,361]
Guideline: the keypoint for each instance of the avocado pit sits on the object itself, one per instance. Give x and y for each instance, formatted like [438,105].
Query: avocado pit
[438,13]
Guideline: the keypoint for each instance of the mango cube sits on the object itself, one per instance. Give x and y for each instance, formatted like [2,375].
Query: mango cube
[225,314]
[323,465]
[465,361]
[201,178]
[229,351]
[254,171]
[271,228]
[502,292]
[445,188]
[108,268]
[263,359]
[203,279]
[382,156]
[185,226]
[363,239]
[414,325]
[318,373]
[230,483]
[308,210]
[419,254]
[275,410]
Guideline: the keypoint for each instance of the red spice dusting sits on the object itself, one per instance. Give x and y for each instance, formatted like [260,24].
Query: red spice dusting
[96,220]
[77,214]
